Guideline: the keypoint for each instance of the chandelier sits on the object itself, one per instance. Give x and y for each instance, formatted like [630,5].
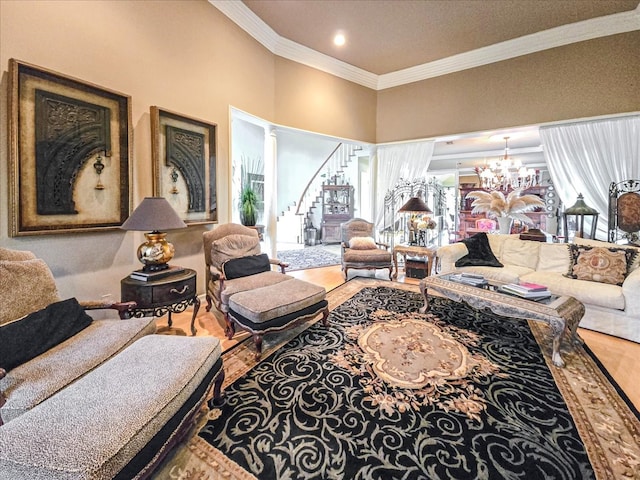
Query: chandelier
[506,173]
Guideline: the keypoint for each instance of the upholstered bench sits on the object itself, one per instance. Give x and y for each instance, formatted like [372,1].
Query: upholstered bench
[120,419]
[276,307]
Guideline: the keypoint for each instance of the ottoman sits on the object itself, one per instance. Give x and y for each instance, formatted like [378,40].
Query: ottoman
[119,420]
[275,308]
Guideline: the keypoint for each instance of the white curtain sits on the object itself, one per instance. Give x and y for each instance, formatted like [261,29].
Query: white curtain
[586,157]
[399,161]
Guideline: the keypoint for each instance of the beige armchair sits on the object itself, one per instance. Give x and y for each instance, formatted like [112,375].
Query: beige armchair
[360,249]
[244,288]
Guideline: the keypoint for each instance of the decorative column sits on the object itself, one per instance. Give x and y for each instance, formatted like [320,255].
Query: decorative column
[270,190]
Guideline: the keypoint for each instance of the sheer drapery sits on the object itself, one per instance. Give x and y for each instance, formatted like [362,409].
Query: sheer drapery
[586,157]
[403,160]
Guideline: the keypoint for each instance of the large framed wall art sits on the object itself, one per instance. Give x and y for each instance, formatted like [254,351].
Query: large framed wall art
[70,150]
[184,164]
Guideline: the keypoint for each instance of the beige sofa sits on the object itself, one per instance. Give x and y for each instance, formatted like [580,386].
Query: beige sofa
[611,309]
[106,400]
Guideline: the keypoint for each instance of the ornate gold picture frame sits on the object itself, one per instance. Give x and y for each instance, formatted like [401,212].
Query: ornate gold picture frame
[184,164]
[70,145]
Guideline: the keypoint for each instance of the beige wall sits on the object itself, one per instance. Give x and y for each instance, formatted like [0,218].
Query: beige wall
[184,56]
[593,78]
[319,102]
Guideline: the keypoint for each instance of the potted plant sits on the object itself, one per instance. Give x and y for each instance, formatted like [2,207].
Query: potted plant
[248,206]
[505,209]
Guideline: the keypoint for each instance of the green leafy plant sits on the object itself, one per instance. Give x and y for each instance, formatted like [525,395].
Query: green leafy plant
[496,205]
[248,206]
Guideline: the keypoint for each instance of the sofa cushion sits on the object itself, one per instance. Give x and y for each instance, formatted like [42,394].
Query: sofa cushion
[496,242]
[116,410]
[244,266]
[30,336]
[523,253]
[26,286]
[600,264]
[33,382]
[553,257]
[233,246]
[507,274]
[15,255]
[480,253]
[362,243]
[591,293]
[597,243]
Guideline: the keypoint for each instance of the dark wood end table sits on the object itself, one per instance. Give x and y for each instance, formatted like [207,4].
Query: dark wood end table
[167,295]
[413,251]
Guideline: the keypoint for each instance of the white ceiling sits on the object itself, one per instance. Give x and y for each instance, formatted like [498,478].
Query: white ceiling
[391,42]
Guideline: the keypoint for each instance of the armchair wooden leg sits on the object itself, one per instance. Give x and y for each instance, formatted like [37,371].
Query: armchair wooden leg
[209,302]
[230,330]
[325,317]
[218,396]
[257,339]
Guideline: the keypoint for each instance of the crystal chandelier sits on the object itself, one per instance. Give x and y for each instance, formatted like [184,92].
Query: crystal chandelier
[505,173]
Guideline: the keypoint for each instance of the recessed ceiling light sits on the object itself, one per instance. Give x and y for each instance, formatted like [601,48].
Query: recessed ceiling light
[339,39]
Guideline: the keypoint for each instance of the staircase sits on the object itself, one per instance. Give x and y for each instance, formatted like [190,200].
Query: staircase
[307,210]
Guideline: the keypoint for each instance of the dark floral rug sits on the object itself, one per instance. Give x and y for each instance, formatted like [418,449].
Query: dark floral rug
[386,392]
[310,257]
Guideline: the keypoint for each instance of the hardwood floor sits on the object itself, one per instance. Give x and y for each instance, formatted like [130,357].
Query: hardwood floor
[620,357]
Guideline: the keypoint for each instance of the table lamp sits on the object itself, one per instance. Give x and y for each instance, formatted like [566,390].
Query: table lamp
[415,205]
[157,215]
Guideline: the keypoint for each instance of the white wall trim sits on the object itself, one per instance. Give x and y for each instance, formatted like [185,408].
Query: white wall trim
[614,24]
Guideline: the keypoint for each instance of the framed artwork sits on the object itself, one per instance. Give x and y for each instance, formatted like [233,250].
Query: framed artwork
[184,164]
[70,149]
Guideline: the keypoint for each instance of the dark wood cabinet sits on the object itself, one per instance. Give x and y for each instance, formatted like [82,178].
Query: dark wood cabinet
[167,295]
[337,207]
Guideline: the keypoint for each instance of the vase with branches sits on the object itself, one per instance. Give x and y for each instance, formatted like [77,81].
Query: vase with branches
[512,207]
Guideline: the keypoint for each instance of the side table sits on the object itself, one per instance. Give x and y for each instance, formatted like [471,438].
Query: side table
[167,295]
[413,251]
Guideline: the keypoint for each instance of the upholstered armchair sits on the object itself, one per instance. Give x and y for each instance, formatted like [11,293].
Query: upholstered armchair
[233,241]
[360,250]
[248,292]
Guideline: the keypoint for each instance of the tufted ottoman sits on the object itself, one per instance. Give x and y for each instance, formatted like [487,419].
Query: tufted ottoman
[120,419]
[276,307]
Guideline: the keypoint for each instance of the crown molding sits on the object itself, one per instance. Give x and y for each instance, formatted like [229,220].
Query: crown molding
[614,24]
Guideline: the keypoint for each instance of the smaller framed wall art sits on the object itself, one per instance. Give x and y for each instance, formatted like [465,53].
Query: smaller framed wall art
[184,164]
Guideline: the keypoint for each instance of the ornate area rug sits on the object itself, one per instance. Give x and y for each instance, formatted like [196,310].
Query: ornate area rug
[387,392]
[309,257]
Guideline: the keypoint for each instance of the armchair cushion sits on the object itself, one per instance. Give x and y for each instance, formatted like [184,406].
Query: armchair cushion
[233,246]
[376,255]
[362,243]
[480,253]
[30,336]
[244,266]
[26,286]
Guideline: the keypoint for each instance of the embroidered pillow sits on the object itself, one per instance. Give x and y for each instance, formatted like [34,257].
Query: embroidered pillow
[480,254]
[600,264]
[362,243]
[245,266]
[30,336]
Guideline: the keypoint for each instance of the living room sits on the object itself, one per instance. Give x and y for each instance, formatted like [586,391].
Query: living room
[191,58]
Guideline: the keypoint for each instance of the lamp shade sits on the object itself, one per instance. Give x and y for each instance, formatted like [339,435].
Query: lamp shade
[415,205]
[153,214]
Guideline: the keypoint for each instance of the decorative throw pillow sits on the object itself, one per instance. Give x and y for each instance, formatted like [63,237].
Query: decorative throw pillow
[600,264]
[244,266]
[30,336]
[362,243]
[480,253]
